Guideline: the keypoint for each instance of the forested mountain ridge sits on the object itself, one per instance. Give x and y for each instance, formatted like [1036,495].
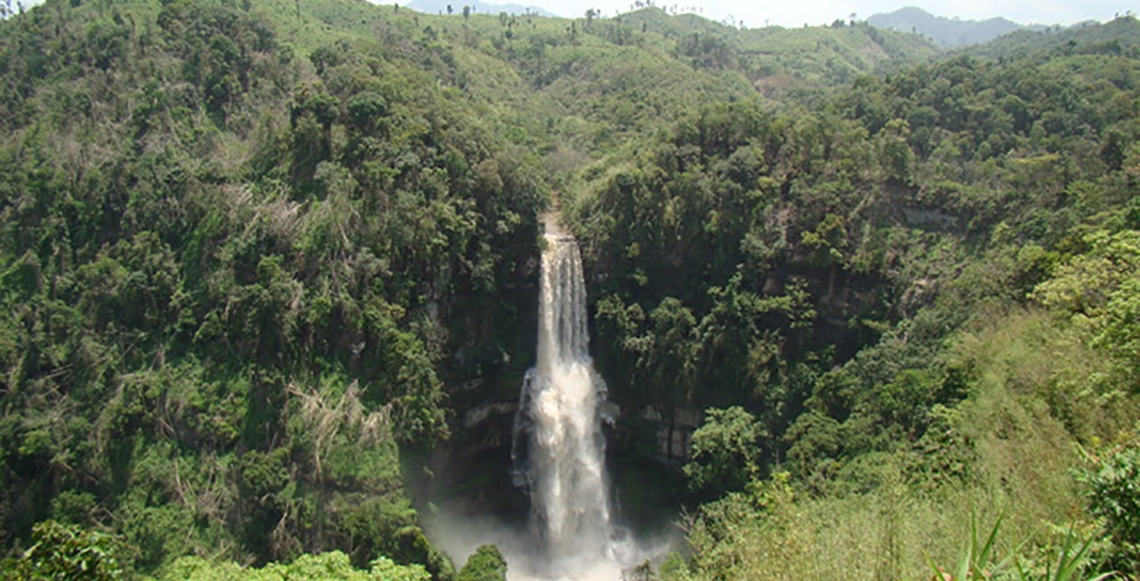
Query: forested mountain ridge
[255,256]
[945,32]
[1116,37]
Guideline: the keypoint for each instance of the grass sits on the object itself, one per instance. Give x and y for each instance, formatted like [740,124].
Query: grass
[1019,515]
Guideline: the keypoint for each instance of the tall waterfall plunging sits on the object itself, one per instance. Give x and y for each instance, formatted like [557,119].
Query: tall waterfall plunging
[573,531]
[559,449]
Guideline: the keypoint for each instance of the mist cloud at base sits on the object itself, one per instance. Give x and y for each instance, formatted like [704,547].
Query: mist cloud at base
[459,535]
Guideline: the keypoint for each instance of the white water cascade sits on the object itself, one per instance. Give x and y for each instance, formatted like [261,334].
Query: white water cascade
[559,449]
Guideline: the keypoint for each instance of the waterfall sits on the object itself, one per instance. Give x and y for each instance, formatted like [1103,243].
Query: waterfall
[559,449]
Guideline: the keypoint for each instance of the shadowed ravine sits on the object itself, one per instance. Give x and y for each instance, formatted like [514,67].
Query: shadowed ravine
[559,449]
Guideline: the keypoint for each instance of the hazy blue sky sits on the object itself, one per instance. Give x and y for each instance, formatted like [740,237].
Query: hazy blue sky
[796,13]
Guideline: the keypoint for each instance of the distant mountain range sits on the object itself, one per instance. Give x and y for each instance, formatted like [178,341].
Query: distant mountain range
[440,7]
[946,32]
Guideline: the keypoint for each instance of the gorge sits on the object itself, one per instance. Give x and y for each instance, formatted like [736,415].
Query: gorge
[274,273]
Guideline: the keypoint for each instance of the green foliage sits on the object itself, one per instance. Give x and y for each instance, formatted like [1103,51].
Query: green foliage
[223,295]
[219,45]
[726,451]
[332,566]
[1111,480]
[1115,37]
[485,564]
[66,552]
[766,509]
[1072,563]
[674,567]
[1099,286]
[979,558]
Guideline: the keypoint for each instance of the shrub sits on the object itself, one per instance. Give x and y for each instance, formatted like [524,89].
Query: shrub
[65,552]
[486,564]
[725,451]
[1113,488]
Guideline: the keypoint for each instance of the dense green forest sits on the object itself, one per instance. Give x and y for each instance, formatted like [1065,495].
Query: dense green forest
[257,260]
